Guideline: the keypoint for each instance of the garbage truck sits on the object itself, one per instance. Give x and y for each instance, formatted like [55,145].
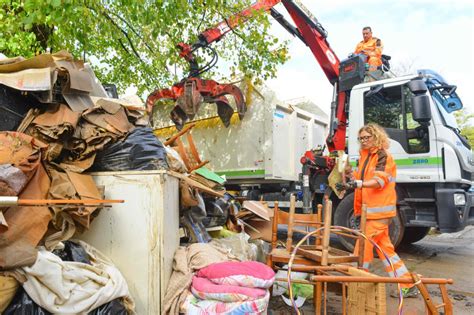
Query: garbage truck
[434,161]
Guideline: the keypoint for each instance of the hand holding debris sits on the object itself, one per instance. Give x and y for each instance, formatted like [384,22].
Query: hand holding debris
[352,184]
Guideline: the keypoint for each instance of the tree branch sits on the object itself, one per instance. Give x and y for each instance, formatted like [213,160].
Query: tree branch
[132,46]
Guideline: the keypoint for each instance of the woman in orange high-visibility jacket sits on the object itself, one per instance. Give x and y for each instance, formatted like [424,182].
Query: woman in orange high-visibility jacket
[374,186]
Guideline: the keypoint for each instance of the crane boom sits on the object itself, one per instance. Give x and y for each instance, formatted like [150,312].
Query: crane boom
[307,28]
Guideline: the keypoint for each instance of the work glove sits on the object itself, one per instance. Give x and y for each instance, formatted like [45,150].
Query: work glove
[352,184]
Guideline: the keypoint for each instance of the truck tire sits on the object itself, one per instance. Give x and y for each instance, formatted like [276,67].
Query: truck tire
[414,234]
[344,216]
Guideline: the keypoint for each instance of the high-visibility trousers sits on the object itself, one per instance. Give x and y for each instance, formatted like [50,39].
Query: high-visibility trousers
[377,231]
[374,62]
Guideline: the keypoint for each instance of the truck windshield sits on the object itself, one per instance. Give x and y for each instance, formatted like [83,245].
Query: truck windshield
[444,96]
[448,118]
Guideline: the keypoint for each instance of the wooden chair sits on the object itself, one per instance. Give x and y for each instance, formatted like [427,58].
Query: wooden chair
[309,258]
[282,255]
[189,154]
[324,254]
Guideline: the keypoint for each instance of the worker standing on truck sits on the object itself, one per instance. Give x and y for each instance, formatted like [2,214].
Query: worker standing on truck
[374,185]
[371,47]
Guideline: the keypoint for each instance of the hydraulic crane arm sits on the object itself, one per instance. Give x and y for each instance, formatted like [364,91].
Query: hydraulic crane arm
[307,28]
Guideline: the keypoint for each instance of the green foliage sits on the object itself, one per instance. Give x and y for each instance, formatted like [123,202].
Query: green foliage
[134,42]
[464,120]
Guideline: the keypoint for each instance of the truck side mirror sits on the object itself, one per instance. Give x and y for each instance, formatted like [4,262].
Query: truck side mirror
[421,108]
[420,101]
[417,86]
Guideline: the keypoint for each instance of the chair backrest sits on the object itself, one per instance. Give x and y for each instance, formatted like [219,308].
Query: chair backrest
[291,219]
[189,154]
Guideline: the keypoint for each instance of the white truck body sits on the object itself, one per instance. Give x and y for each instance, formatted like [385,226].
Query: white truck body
[266,146]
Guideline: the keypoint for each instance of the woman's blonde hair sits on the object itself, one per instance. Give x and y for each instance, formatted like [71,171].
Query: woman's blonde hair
[381,139]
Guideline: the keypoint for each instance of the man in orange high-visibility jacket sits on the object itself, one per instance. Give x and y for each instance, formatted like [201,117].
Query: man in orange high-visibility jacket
[374,186]
[372,47]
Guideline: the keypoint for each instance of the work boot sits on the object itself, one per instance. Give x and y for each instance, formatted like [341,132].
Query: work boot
[406,292]
[410,292]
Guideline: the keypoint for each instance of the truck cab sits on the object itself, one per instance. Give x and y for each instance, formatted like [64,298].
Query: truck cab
[434,161]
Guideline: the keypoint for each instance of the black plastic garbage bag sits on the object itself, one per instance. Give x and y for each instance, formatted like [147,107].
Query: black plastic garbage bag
[217,210]
[22,304]
[141,150]
[114,307]
[72,252]
[13,107]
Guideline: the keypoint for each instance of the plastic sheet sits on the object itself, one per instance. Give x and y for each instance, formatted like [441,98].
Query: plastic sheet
[141,150]
[22,304]
[197,231]
[114,307]
[217,211]
[72,252]
[239,246]
[13,108]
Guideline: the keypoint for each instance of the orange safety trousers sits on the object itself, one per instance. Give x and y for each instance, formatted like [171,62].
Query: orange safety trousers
[378,231]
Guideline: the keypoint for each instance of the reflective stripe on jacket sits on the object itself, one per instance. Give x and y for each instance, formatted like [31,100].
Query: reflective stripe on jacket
[381,202]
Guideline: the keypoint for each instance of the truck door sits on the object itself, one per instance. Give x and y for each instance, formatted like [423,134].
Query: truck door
[412,145]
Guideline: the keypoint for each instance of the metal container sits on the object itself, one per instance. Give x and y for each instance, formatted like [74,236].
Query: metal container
[266,146]
[141,235]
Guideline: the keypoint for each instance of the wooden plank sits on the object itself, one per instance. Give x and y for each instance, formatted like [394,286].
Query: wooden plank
[196,184]
[179,134]
[317,256]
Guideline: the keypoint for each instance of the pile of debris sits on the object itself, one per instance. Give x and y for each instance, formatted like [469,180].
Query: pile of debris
[57,123]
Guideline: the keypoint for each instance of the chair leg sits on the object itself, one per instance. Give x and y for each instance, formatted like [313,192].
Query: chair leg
[448,306]
[430,307]
[326,232]
[317,292]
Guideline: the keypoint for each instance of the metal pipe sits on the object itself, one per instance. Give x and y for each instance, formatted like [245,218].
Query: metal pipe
[307,207]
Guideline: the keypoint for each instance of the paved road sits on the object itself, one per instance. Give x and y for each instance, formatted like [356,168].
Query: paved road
[440,256]
[443,256]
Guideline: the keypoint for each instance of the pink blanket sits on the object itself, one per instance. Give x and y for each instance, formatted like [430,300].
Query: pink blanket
[250,274]
[204,289]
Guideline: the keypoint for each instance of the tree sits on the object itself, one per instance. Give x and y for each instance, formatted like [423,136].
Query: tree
[134,42]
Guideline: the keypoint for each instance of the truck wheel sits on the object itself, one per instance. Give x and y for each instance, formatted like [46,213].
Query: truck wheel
[344,216]
[414,234]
